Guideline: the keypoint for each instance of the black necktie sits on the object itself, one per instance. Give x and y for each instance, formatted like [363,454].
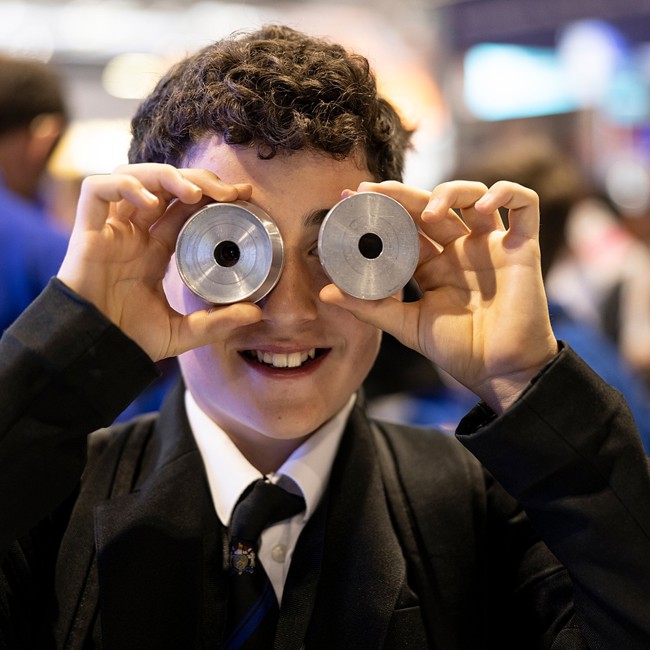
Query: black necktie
[252,606]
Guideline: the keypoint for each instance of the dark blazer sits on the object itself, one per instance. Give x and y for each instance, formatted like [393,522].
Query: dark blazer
[141,561]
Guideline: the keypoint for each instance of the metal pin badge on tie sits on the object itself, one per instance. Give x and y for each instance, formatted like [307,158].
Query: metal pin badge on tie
[228,252]
[368,245]
[242,558]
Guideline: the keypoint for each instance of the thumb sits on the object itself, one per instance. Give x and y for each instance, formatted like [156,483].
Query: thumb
[206,326]
[387,314]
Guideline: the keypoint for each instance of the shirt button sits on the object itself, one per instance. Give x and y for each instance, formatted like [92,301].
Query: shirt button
[279,552]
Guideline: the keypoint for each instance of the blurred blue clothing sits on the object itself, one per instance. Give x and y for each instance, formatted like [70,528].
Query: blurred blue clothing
[31,251]
[604,358]
[444,407]
[150,400]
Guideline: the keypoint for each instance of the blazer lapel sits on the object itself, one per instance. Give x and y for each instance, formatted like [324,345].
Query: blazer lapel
[363,570]
[160,550]
[161,553]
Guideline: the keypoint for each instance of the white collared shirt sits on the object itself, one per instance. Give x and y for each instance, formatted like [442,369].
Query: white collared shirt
[305,472]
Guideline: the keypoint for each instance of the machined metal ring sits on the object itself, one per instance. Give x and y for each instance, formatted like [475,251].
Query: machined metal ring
[230,252]
[368,245]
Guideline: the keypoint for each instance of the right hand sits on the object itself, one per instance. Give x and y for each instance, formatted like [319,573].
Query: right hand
[123,238]
[483,315]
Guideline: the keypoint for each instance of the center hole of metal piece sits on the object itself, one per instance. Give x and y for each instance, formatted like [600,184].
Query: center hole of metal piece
[370,245]
[226,253]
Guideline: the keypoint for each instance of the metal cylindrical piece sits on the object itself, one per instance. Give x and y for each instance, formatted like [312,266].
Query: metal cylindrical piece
[229,252]
[368,245]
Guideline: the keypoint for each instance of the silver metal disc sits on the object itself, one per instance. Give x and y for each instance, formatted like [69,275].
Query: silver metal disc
[368,245]
[229,252]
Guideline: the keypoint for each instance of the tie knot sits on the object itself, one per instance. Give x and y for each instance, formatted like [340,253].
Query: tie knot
[262,505]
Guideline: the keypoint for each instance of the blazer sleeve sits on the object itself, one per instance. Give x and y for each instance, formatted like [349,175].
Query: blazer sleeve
[65,370]
[568,450]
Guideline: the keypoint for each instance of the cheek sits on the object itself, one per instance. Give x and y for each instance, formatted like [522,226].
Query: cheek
[372,341]
[205,375]
[366,350]
[318,275]
[363,341]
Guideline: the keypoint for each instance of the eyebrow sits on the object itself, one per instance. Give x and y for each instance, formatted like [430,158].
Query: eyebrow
[315,217]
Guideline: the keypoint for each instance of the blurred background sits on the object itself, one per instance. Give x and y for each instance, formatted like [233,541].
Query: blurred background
[463,72]
[559,90]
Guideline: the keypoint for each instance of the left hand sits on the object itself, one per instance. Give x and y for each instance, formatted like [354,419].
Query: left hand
[123,239]
[483,317]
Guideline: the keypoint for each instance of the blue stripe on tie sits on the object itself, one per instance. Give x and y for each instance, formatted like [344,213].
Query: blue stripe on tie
[252,619]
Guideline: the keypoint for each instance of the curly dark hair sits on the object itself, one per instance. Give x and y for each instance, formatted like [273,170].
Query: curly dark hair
[279,90]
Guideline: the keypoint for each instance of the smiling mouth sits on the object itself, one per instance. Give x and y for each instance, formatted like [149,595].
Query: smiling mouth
[284,360]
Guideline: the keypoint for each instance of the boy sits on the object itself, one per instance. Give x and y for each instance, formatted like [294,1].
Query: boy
[403,539]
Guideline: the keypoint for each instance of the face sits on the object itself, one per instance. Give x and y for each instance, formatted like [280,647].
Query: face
[273,383]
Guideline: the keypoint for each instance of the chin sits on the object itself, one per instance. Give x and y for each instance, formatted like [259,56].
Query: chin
[296,431]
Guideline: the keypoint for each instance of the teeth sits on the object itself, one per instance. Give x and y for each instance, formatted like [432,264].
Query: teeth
[295,359]
[291,360]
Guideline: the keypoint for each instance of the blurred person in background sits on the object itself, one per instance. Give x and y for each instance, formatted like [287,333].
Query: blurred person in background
[33,117]
[606,278]
[533,161]
[539,162]
[625,310]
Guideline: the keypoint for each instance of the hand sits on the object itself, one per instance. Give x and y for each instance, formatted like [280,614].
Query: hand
[483,317]
[124,235]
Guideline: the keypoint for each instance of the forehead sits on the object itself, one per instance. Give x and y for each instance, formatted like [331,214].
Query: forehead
[300,181]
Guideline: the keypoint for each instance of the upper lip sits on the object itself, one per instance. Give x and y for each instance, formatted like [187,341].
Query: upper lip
[286,347]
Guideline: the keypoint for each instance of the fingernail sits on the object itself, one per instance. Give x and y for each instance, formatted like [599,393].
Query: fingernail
[148,195]
[430,211]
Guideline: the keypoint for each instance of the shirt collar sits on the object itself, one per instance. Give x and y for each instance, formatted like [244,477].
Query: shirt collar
[229,473]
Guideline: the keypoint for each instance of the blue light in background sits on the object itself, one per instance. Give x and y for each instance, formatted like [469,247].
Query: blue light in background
[511,81]
[591,67]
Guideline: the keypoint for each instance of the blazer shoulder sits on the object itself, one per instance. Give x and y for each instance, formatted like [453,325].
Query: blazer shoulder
[428,450]
[116,452]
[442,480]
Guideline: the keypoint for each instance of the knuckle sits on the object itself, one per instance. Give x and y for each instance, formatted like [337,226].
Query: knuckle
[90,183]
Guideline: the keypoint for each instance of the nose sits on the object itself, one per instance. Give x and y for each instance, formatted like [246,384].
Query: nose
[294,299]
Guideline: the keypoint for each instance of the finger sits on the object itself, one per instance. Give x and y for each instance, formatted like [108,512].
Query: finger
[443,226]
[167,228]
[213,187]
[428,248]
[447,226]
[413,199]
[522,204]
[164,181]
[100,191]
[146,187]
[442,220]
[434,212]
[186,184]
